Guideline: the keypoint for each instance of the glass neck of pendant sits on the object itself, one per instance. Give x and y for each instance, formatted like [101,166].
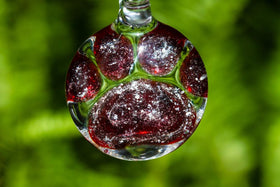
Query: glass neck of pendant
[135,14]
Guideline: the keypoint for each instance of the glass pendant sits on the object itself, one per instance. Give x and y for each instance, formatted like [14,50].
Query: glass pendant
[137,89]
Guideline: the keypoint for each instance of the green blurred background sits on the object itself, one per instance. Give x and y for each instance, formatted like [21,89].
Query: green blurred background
[236,144]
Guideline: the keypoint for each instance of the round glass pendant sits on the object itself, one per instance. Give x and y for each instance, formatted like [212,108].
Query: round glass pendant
[137,89]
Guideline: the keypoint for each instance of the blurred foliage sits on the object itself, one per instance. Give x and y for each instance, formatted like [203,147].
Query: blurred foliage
[236,144]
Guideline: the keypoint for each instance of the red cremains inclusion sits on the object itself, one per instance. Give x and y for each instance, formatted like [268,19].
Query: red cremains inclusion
[113,53]
[83,80]
[160,49]
[193,74]
[141,112]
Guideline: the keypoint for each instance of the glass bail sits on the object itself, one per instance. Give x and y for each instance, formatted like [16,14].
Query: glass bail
[134,13]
